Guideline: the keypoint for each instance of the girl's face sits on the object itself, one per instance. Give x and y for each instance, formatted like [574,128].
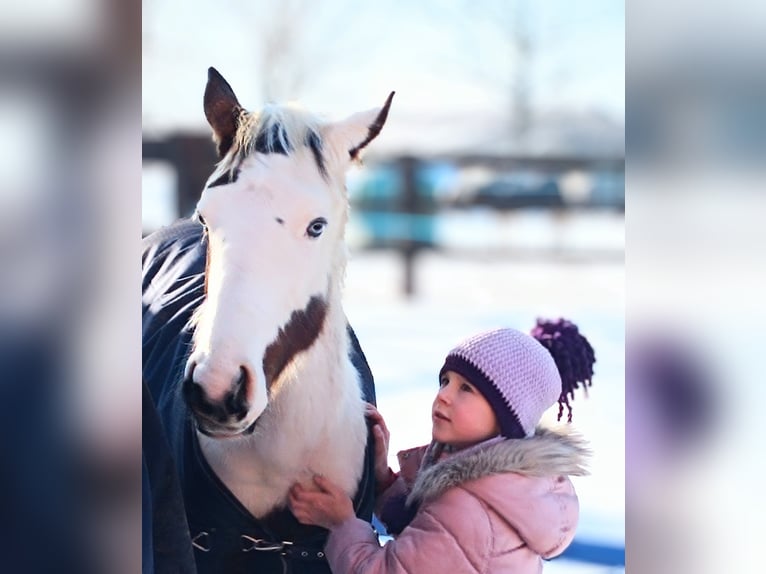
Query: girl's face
[461,415]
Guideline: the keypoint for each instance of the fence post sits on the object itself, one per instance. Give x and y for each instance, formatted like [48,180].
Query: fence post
[408,206]
[194,159]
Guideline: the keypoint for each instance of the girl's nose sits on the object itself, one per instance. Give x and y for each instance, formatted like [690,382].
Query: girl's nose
[444,395]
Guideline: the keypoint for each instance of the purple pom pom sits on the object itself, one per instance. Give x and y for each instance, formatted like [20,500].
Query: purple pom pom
[572,353]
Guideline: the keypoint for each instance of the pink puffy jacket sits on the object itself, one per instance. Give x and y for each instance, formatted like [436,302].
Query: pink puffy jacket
[501,506]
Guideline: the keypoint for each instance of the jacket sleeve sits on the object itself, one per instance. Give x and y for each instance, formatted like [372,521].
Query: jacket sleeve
[437,540]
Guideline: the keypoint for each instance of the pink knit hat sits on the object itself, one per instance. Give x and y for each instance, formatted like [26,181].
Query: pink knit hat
[522,376]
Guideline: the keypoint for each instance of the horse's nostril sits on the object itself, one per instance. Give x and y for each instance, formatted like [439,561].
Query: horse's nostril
[238,399]
[243,379]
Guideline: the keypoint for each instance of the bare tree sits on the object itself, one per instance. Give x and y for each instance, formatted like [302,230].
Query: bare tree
[502,27]
[522,44]
[283,55]
[291,39]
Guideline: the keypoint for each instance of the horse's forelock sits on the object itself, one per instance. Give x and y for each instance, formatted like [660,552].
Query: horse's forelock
[278,129]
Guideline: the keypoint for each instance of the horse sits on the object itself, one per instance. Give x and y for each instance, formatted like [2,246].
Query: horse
[256,375]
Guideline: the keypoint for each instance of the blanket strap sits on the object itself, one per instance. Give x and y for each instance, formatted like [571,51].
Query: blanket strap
[205,542]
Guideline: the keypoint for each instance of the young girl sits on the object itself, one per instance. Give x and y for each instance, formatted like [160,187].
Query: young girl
[491,493]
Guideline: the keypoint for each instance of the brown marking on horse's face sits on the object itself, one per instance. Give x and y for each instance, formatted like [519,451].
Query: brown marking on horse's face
[297,335]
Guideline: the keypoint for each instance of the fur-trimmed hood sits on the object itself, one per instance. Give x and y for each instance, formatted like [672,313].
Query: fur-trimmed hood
[548,452]
[523,482]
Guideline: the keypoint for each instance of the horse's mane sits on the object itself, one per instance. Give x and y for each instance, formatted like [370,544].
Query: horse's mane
[278,128]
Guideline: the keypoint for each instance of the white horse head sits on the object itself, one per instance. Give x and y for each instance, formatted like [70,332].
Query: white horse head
[274,213]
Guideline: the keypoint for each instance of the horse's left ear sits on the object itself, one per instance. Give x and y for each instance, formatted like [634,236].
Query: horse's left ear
[222,110]
[354,133]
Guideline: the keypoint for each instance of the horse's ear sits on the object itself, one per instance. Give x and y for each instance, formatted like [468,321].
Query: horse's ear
[353,134]
[222,110]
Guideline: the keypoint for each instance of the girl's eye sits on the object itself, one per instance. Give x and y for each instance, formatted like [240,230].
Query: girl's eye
[316,227]
[466,387]
[443,381]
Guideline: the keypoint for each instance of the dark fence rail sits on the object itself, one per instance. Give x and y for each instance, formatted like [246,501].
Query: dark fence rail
[402,218]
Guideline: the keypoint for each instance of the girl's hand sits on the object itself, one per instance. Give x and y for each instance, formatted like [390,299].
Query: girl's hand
[329,507]
[382,438]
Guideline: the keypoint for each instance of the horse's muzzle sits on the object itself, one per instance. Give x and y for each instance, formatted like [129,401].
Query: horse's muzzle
[222,417]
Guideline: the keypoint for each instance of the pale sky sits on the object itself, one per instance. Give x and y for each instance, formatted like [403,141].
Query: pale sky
[446,60]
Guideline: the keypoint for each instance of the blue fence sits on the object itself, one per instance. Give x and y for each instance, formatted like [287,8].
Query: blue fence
[595,553]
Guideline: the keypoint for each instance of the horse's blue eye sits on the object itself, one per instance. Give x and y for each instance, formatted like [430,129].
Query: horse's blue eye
[316,227]
[200,219]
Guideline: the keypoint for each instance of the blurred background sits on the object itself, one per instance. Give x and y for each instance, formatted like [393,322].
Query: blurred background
[499,108]
[696,145]
[494,195]
[70,214]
